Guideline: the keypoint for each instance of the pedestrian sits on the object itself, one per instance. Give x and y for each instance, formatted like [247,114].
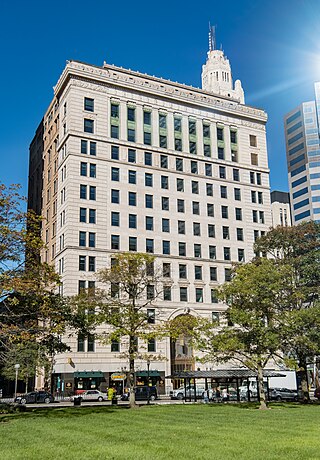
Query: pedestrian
[218,394]
[206,396]
[225,395]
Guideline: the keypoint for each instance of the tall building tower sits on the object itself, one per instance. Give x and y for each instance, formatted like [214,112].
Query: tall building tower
[133,162]
[303,159]
[280,209]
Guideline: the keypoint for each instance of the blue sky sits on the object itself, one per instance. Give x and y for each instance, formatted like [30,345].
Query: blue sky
[273,47]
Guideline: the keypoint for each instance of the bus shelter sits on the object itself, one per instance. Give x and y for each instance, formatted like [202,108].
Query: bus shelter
[222,377]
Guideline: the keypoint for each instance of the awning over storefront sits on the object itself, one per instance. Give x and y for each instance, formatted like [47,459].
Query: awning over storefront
[145,374]
[88,374]
[223,374]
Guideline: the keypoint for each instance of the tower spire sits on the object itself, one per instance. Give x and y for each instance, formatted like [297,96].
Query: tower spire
[212,37]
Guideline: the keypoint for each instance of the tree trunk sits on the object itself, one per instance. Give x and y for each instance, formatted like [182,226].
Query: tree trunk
[304,393]
[27,380]
[262,394]
[131,377]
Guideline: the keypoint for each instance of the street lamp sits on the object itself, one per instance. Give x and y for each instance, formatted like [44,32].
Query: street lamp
[148,377]
[17,367]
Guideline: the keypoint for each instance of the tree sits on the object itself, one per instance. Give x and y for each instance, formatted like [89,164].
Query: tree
[298,248]
[251,336]
[30,309]
[133,287]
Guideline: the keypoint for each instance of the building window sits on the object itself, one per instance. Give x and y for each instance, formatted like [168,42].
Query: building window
[84,147]
[220,134]
[194,167]
[179,164]
[199,295]
[253,140]
[254,159]
[149,201]
[83,215]
[212,252]
[166,225]
[227,274]
[195,186]
[177,124]
[221,153]
[131,156]
[183,294]
[83,192]
[182,249]
[238,213]
[115,174]
[165,203]
[88,104]
[166,270]
[91,344]
[151,315]
[132,177]
[182,271]
[196,207]
[114,110]
[93,148]
[114,152]
[147,117]
[164,161]
[132,243]
[81,342]
[131,112]
[115,219]
[165,182]
[93,170]
[197,250]
[192,127]
[148,180]
[225,233]
[149,246]
[150,291]
[165,247]
[255,216]
[260,198]
[233,137]
[132,221]
[196,229]
[210,210]
[180,205]
[237,194]
[131,135]
[226,253]
[207,150]
[163,141]
[82,263]
[92,193]
[167,293]
[223,191]
[149,223]
[208,169]
[239,234]
[115,346]
[214,296]
[115,196]
[148,158]
[82,238]
[240,255]
[115,242]
[88,126]
[236,175]
[211,231]
[259,178]
[162,121]
[92,264]
[224,212]
[115,132]
[193,147]
[181,227]
[209,189]
[132,198]
[92,240]
[222,172]
[253,196]
[180,185]
[198,272]
[213,274]
[206,131]
[178,144]
[252,178]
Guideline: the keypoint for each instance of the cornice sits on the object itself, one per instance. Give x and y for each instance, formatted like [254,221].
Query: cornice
[116,77]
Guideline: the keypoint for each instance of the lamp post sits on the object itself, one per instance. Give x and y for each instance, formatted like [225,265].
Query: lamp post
[17,367]
[148,376]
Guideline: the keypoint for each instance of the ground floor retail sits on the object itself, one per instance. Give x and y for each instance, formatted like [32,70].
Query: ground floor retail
[80,381]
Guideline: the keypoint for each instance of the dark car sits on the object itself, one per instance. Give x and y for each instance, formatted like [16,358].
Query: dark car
[35,397]
[283,394]
[141,393]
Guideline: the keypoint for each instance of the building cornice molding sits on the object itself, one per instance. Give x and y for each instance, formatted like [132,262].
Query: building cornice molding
[116,77]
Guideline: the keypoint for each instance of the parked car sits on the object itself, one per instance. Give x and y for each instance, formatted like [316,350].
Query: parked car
[141,393]
[283,394]
[35,397]
[180,392]
[91,395]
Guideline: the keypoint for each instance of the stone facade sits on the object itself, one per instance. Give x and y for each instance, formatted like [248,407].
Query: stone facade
[151,165]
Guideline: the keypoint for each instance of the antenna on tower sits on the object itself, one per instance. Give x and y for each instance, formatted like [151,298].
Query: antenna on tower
[212,37]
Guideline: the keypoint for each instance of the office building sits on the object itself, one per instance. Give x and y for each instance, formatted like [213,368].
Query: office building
[132,162]
[303,159]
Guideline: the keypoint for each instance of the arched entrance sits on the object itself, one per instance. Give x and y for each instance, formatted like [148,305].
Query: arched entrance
[181,350]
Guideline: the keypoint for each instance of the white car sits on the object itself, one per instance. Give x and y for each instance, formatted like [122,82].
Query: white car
[91,395]
[180,393]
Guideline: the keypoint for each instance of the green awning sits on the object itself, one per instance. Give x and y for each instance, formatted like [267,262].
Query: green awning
[88,374]
[145,374]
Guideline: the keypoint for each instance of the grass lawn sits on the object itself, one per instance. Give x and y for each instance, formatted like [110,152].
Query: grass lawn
[163,432]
